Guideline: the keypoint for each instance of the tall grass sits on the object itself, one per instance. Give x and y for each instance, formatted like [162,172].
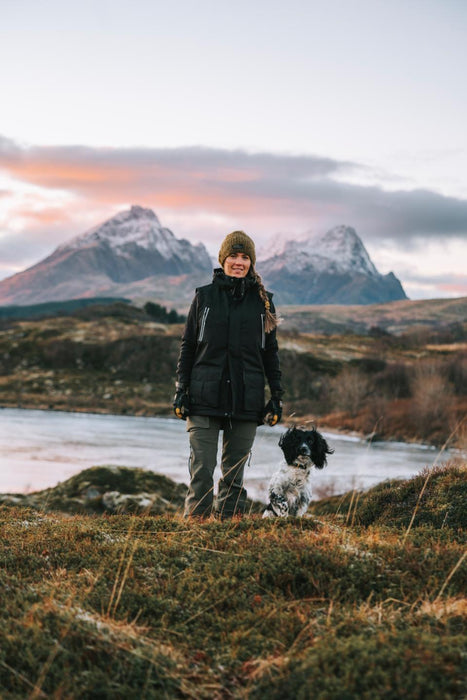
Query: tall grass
[154,607]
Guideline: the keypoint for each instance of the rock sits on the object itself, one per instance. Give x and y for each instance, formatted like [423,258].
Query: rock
[116,502]
[109,489]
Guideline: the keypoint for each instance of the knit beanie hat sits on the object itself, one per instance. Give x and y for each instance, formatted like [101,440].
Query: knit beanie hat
[237,242]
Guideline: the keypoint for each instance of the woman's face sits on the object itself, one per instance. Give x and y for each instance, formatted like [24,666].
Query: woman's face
[237,265]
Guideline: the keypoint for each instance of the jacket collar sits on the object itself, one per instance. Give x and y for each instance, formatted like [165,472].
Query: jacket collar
[219,277]
[237,286]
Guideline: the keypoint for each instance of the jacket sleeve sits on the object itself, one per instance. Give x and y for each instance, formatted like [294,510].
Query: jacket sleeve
[187,352]
[271,361]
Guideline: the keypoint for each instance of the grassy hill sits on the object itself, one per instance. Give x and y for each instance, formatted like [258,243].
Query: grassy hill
[396,317]
[117,359]
[157,607]
[55,308]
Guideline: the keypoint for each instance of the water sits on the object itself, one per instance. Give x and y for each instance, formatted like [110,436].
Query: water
[38,449]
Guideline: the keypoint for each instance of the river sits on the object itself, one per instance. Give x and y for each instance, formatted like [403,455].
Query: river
[38,449]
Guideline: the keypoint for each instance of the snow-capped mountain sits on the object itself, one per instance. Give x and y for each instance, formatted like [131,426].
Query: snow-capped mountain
[340,249]
[137,227]
[333,268]
[131,254]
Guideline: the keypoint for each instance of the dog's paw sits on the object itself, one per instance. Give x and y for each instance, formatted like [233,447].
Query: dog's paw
[279,505]
[269,513]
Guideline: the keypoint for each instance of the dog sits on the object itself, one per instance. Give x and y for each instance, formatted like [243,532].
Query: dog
[290,487]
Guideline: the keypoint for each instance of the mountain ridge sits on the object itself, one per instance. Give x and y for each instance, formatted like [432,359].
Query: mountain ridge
[132,255]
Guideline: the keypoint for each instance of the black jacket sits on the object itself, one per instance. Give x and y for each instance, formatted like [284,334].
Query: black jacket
[225,352]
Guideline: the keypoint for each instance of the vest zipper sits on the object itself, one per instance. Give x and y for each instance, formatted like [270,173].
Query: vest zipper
[203,324]
[263,333]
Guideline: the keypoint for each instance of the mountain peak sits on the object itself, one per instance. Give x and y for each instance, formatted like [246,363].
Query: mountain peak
[128,248]
[333,267]
[344,247]
[138,212]
[139,229]
[338,250]
[137,225]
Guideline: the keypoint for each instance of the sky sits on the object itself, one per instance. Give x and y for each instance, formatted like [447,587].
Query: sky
[278,118]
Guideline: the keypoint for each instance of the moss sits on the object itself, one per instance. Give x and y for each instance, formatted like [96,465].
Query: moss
[98,606]
[436,496]
[384,665]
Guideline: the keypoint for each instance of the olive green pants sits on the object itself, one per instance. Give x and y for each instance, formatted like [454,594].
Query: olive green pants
[238,437]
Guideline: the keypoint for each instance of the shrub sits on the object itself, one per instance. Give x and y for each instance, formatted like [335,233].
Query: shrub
[432,397]
[394,381]
[160,313]
[349,390]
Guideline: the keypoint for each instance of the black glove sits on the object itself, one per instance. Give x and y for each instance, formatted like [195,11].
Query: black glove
[181,403]
[272,412]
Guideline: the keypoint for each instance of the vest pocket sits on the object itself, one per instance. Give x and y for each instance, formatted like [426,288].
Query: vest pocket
[205,388]
[253,391]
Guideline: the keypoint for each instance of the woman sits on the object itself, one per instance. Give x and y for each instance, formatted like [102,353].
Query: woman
[228,346]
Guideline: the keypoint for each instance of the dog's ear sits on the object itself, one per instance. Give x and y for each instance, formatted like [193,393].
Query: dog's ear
[319,449]
[286,443]
[286,436]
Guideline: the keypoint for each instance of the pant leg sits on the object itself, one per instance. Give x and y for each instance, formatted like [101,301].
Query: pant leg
[237,443]
[204,435]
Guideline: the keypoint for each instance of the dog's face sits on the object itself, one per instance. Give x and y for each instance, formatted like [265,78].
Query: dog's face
[302,448]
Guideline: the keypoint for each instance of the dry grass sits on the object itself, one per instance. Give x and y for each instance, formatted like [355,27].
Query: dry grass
[156,607]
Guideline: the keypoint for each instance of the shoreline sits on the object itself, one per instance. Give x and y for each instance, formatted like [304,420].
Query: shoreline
[329,430]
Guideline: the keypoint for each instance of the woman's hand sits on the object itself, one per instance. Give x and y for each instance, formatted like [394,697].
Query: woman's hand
[272,412]
[181,403]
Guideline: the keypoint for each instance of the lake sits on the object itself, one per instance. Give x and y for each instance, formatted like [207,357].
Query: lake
[39,449]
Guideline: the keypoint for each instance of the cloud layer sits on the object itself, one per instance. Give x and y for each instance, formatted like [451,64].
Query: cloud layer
[53,192]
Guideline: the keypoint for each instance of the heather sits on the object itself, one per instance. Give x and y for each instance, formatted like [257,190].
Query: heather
[357,600]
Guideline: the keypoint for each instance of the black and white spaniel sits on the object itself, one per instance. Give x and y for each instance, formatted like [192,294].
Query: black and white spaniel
[290,487]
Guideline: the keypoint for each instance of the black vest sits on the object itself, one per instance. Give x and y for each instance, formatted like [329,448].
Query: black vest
[227,376]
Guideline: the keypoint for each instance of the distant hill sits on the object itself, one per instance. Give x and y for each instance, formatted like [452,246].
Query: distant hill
[394,318]
[54,308]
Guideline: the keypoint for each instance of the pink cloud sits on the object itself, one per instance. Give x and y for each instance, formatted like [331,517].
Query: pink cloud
[457,287]
[300,191]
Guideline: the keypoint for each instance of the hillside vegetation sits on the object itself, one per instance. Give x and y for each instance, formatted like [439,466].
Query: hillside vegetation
[118,359]
[395,317]
[320,607]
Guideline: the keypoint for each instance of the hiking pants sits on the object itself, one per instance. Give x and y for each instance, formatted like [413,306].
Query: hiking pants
[238,437]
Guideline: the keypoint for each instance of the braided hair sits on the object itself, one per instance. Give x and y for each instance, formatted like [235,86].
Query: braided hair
[271,321]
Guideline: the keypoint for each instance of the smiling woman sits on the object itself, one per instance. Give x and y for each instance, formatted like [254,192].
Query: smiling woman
[237,265]
[229,345]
